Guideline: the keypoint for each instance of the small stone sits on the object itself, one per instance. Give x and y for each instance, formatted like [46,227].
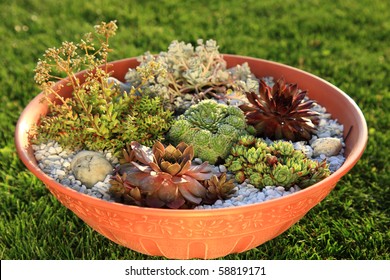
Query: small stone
[71,177]
[325,134]
[271,192]
[100,185]
[52,151]
[90,167]
[222,168]
[197,161]
[65,182]
[215,170]
[218,202]
[39,156]
[63,154]
[54,157]
[47,162]
[280,190]
[327,146]
[60,172]
[83,189]
[66,164]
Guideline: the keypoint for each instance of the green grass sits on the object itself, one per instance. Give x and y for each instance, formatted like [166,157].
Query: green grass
[344,42]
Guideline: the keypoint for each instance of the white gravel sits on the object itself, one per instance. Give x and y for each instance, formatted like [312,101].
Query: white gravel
[55,162]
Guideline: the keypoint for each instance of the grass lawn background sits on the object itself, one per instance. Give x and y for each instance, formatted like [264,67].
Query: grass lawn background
[344,42]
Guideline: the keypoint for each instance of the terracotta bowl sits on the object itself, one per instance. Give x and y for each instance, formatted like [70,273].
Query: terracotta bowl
[206,234]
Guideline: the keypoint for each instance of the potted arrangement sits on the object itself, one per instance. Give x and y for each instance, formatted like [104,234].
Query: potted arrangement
[189,153]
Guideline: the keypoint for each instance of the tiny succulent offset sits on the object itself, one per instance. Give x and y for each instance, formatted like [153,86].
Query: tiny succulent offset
[212,129]
[176,119]
[277,164]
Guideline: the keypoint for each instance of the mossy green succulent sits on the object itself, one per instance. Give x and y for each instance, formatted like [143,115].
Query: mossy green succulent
[276,164]
[211,128]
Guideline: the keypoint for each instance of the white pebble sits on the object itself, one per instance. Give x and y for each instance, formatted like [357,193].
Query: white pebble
[54,157]
[72,178]
[218,202]
[260,196]
[83,188]
[222,168]
[63,154]
[197,161]
[60,172]
[52,151]
[99,184]
[39,155]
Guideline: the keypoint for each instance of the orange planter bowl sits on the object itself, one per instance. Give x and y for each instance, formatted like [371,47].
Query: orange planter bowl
[206,234]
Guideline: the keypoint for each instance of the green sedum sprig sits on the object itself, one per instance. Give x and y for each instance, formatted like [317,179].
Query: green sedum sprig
[97,116]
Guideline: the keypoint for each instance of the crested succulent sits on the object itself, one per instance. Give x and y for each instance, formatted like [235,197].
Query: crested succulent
[164,176]
[199,71]
[210,127]
[281,112]
[277,164]
[218,188]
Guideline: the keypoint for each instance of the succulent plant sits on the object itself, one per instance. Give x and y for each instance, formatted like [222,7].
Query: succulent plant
[281,112]
[98,116]
[218,188]
[165,177]
[210,127]
[124,192]
[276,164]
[200,71]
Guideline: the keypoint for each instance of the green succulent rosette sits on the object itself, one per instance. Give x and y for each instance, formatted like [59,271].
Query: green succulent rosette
[275,164]
[211,128]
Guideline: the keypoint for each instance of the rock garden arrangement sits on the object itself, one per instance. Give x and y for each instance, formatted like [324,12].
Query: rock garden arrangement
[181,130]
